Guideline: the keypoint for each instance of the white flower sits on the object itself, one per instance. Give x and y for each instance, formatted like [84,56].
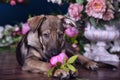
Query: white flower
[1,31]
[55,1]
[8,29]
[8,38]
[3,41]
[16,28]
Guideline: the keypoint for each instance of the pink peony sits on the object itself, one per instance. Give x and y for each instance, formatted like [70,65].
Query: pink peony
[58,58]
[25,28]
[71,31]
[75,10]
[17,29]
[118,0]
[20,1]
[75,46]
[12,2]
[96,8]
[108,15]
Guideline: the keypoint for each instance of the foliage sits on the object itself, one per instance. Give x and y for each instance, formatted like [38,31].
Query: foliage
[11,35]
[67,66]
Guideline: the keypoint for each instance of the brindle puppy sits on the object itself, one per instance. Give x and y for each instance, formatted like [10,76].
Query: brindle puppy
[44,40]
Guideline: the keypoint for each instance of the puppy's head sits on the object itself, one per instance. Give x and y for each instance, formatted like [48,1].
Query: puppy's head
[51,32]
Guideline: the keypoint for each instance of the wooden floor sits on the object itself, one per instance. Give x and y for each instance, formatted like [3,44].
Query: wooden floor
[10,70]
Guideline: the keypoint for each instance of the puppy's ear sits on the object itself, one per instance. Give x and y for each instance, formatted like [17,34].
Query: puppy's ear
[35,22]
[60,16]
[66,21]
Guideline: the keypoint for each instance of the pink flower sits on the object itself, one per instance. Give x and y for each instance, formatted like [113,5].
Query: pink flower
[75,10]
[118,0]
[96,8]
[20,1]
[25,28]
[58,58]
[108,15]
[17,28]
[75,46]
[71,31]
[12,2]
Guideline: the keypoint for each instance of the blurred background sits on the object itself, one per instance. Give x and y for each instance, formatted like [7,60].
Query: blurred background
[20,12]
[14,15]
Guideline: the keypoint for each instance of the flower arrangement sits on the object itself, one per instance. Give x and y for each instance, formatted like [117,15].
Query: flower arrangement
[97,12]
[11,35]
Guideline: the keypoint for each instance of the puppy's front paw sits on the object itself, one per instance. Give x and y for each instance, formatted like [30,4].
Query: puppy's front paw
[91,65]
[73,74]
[62,74]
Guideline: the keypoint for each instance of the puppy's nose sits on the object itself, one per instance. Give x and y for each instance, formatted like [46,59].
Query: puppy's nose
[54,51]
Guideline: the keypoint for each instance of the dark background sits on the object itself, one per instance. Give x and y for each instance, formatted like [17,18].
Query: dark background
[19,13]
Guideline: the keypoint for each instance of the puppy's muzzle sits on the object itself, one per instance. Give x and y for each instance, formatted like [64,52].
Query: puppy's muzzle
[54,51]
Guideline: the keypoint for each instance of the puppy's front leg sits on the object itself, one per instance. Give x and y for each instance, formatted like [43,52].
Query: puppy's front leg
[33,63]
[87,63]
[36,66]
[83,60]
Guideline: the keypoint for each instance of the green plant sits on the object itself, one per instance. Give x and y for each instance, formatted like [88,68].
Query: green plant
[67,66]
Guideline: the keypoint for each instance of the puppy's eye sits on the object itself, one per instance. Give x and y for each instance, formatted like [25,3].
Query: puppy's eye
[60,35]
[46,35]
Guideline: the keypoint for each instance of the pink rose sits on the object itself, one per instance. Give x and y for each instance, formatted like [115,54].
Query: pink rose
[118,0]
[58,58]
[20,1]
[108,15]
[71,31]
[12,2]
[25,28]
[75,46]
[75,10]
[96,8]
[17,28]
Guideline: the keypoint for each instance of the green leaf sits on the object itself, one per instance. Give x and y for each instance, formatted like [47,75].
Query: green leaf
[64,60]
[7,1]
[29,16]
[80,1]
[76,42]
[50,71]
[58,65]
[73,39]
[93,21]
[64,68]
[71,67]
[116,5]
[72,59]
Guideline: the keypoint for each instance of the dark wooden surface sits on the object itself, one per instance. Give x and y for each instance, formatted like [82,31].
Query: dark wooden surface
[10,70]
